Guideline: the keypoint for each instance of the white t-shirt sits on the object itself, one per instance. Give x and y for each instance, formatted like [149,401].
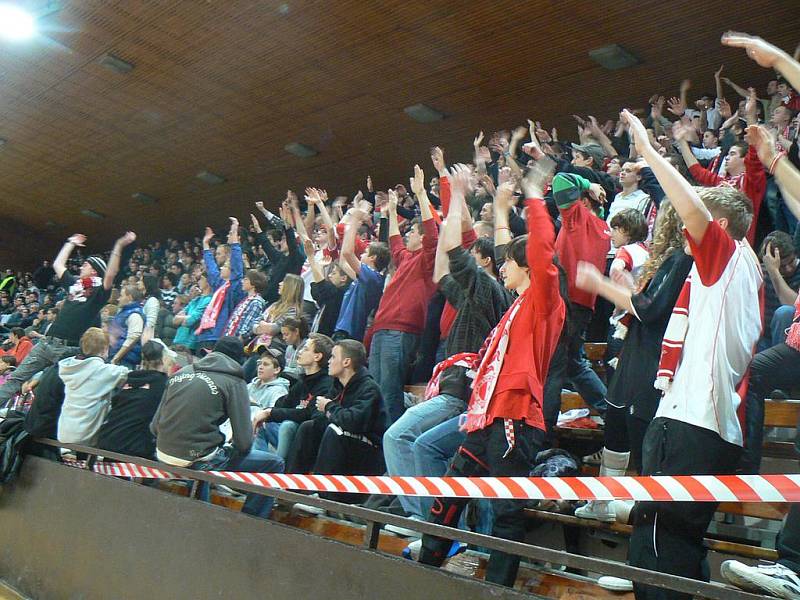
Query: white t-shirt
[724,324]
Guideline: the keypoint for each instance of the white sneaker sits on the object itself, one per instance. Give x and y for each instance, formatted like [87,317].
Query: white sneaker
[597,510]
[308,509]
[773,579]
[622,510]
[615,584]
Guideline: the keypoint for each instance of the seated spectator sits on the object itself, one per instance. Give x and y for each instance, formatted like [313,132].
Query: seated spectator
[188,319]
[294,332]
[152,303]
[89,383]
[281,421]
[43,327]
[127,327]
[168,290]
[18,345]
[780,261]
[7,365]
[268,387]
[127,428]
[197,400]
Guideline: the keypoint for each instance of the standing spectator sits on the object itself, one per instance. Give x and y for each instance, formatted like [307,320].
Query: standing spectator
[281,250]
[248,312]
[43,275]
[328,292]
[188,319]
[401,314]
[88,383]
[127,328]
[88,293]
[152,304]
[708,345]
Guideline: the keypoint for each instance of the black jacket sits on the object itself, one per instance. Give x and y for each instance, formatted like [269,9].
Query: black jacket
[280,264]
[42,418]
[358,407]
[127,428]
[300,404]
[329,299]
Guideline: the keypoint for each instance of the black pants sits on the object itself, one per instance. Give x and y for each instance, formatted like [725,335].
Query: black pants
[344,455]
[668,536]
[625,433]
[774,368]
[305,447]
[481,454]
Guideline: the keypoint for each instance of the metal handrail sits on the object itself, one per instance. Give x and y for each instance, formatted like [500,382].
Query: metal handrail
[375,519]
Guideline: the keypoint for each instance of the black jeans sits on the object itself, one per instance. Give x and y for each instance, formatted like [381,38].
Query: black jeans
[305,447]
[340,454]
[480,455]
[774,368]
[625,433]
[668,536]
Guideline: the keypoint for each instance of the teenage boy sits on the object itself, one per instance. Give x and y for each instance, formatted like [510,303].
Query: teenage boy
[87,295]
[248,312]
[268,386]
[504,422]
[707,348]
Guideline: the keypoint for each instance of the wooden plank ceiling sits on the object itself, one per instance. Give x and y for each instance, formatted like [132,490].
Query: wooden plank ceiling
[224,85]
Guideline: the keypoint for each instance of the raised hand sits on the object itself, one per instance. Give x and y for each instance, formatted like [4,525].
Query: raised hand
[597,192]
[718,72]
[518,134]
[636,130]
[478,140]
[291,198]
[751,106]
[676,106]
[588,277]
[437,158]
[757,49]
[392,201]
[313,196]
[369,183]
[256,224]
[686,85]
[127,239]
[488,184]
[209,233]
[724,108]
[772,258]
[77,239]
[308,246]
[418,181]
[764,142]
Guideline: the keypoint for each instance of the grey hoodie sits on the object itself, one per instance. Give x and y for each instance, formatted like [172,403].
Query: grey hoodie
[88,384]
[197,400]
[265,395]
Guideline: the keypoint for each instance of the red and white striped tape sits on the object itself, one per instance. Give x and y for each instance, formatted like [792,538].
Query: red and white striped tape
[679,488]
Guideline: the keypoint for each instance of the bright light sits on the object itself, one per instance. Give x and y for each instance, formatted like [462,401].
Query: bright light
[15,24]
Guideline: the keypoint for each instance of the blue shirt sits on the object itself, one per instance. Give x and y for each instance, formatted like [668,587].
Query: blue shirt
[360,299]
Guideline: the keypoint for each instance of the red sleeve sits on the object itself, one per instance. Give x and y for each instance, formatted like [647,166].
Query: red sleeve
[430,240]
[444,194]
[468,238]
[754,186]
[713,253]
[625,257]
[539,252]
[704,176]
[398,249]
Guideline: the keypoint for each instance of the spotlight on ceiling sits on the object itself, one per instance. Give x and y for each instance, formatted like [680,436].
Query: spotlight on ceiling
[92,214]
[16,25]
[210,177]
[116,64]
[145,198]
[613,57]
[423,113]
[300,150]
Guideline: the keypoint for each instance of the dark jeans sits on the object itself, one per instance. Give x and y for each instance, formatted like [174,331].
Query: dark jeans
[255,462]
[481,454]
[390,355]
[625,433]
[570,362]
[304,449]
[344,455]
[668,536]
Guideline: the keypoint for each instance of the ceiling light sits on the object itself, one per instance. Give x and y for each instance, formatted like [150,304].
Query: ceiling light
[15,24]
[423,113]
[613,57]
[300,150]
[144,198]
[3,142]
[211,178]
[88,212]
[115,63]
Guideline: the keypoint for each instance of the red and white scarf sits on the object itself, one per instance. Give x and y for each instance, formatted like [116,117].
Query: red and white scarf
[489,370]
[674,337]
[211,313]
[83,288]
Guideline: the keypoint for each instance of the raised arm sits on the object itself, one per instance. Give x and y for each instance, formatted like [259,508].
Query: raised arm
[113,262]
[682,195]
[540,247]
[349,244]
[766,55]
[778,164]
[316,269]
[60,262]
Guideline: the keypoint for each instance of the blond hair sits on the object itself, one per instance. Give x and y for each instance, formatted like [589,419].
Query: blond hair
[667,238]
[94,342]
[291,297]
[726,202]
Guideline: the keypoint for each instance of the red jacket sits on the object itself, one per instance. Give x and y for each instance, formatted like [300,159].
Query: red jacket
[20,351]
[534,333]
[583,237]
[404,304]
[753,182]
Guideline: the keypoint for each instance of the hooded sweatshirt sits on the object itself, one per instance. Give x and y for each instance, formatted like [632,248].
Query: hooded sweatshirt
[88,385]
[198,399]
[265,395]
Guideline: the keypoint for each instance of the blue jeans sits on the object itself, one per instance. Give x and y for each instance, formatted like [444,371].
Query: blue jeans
[254,462]
[433,451]
[398,441]
[390,355]
[278,435]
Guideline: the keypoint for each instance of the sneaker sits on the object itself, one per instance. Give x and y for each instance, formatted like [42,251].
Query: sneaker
[773,579]
[412,550]
[308,509]
[593,459]
[403,531]
[597,510]
[622,510]
[615,584]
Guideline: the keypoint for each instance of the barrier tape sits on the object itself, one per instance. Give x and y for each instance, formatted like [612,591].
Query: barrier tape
[662,488]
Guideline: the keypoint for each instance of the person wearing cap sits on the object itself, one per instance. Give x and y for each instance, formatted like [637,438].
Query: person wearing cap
[583,237]
[197,400]
[87,294]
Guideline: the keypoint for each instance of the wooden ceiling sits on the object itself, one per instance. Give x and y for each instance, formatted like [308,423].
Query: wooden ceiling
[224,85]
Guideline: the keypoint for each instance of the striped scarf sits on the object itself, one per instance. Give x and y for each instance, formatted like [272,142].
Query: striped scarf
[674,337]
[211,314]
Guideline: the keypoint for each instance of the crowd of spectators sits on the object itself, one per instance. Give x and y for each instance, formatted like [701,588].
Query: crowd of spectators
[286,344]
